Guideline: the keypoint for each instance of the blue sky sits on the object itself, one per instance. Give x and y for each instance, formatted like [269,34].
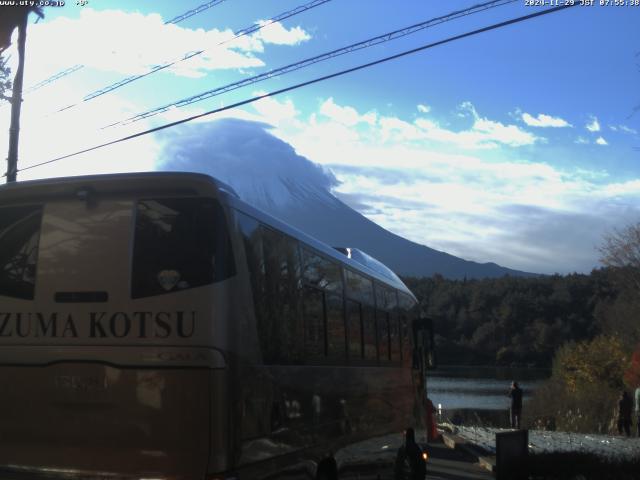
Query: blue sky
[517,146]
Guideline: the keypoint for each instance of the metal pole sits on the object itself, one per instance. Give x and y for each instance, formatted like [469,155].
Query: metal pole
[16,102]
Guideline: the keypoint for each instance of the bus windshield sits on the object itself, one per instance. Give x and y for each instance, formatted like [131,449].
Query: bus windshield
[19,236]
[179,243]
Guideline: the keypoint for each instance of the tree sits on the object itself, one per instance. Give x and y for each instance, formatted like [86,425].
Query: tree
[601,361]
[621,251]
[5,80]
[11,19]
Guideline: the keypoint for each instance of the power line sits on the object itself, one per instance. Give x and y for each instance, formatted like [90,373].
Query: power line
[239,33]
[55,77]
[195,11]
[75,68]
[316,59]
[309,82]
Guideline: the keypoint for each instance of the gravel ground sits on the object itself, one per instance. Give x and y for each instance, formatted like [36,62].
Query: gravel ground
[613,447]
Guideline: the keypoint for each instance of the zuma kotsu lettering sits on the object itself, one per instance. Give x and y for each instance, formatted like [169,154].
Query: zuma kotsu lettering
[115,325]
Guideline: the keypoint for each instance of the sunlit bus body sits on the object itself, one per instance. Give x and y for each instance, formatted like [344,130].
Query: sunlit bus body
[155,326]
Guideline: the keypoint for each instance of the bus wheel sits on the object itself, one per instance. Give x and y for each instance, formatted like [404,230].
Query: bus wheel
[327,470]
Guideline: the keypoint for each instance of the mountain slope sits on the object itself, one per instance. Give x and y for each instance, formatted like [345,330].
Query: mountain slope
[267,173]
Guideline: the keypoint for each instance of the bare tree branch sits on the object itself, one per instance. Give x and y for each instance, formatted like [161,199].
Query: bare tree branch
[621,251]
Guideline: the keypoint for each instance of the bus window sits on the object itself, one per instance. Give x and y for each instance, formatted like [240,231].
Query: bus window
[369,333]
[354,329]
[359,287]
[408,312]
[19,238]
[394,338]
[179,243]
[254,253]
[321,272]
[385,298]
[336,348]
[281,333]
[314,341]
[382,321]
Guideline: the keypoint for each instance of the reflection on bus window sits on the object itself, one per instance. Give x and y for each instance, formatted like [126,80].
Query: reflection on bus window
[382,320]
[369,333]
[314,342]
[359,288]
[179,243]
[321,272]
[408,311]
[281,327]
[19,238]
[354,330]
[395,339]
[336,348]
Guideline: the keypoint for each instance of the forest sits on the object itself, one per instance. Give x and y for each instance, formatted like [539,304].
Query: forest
[584,327]
[515,321]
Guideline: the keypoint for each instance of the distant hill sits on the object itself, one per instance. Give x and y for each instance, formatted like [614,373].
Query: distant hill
[267,173]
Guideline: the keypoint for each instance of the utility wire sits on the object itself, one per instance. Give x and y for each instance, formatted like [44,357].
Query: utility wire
[75,68]
[309,82]
[239,33]
[195,11]
[55,77]
[312,60]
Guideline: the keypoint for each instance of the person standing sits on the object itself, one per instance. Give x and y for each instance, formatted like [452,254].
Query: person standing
[411,460]
[625,405]
[637,395]
[515,394]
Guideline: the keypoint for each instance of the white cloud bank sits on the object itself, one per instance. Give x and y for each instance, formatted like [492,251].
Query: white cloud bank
[446,189]
[543,120]
[142,41]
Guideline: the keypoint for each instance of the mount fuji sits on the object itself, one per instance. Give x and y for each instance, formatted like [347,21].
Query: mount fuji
[267,173]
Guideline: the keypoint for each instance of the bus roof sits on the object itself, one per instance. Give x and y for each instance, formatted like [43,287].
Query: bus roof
[145,183]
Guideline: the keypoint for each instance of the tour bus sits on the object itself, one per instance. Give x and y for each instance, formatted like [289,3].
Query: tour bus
[154,326]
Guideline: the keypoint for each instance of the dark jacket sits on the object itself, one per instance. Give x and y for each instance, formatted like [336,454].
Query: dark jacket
[516,398]
[625,405]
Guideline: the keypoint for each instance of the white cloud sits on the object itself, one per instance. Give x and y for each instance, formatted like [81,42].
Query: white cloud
[601,141]
[543,120]
[346,115]
[76,130]
[483,133]
[407,171]
[142,42]
[623,128]
[593,125]
[581,141]
[277,34]
[629,188]
[424,108]
[274,111]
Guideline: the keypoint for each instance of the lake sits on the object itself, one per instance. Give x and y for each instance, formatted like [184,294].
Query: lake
[480,388]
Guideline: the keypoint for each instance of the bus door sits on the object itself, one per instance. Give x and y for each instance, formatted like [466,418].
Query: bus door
[105,328]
